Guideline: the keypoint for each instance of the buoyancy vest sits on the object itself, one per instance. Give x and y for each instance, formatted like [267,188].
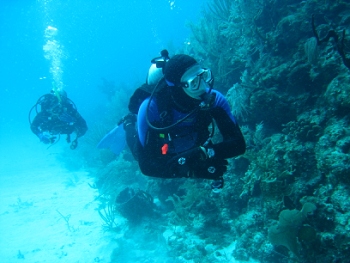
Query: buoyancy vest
[191,132]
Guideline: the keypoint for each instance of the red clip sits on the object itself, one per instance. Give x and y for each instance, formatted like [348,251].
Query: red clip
[165,148]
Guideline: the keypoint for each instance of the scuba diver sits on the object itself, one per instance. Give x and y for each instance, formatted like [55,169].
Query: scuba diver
[57,115]
[173,112]
[173,123]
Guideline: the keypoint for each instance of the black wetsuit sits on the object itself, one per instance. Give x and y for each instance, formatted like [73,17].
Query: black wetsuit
[58,118]
[157,148]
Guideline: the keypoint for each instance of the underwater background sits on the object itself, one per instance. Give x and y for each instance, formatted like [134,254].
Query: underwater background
[284,66]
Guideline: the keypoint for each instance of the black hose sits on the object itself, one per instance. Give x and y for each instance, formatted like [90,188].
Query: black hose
[172,125]
[30,112]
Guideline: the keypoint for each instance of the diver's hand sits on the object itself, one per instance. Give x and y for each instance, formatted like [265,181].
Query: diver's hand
[189,157]
[74,144]
[211,169]
[44,138]
[182,164]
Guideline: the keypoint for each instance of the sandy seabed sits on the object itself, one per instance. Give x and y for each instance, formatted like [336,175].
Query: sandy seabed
[47,213]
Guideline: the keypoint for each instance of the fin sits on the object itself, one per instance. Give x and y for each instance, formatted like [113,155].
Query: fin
[114,140]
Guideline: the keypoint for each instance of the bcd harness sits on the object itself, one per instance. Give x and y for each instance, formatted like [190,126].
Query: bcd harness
[49,103]
[187,132]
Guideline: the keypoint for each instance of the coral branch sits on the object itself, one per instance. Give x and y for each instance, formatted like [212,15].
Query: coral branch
[334,35]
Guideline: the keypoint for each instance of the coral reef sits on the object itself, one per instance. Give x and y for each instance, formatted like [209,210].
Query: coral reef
[290,227]
[283,67]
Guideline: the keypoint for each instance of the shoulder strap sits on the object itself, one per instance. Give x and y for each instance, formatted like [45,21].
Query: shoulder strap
[164,107]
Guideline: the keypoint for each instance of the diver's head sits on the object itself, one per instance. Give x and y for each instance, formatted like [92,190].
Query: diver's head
[184,74]
[60,94]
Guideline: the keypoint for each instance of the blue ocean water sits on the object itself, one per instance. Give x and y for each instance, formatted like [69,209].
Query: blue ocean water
[284,67]
[70,45]
[109,39]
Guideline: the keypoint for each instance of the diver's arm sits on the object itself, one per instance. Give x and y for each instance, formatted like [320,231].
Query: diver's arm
[36,126]
[80,125]
[37,122]
[233,143]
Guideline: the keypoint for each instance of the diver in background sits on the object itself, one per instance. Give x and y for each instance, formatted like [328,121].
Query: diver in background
[57,115]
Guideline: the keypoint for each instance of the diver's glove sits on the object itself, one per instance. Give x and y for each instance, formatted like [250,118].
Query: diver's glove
[44,138]
[74,144]
[181,164]
[67,118]
[188,157]
[210,169]
[209,149]
[193,155]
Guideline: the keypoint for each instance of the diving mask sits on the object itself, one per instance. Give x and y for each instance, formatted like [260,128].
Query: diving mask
[196,80]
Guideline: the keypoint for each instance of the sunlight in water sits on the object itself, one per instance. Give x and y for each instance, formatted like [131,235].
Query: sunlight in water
[53,50]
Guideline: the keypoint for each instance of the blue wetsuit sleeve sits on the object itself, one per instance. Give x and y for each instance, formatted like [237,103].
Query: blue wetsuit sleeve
[142,126]
[233,143]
